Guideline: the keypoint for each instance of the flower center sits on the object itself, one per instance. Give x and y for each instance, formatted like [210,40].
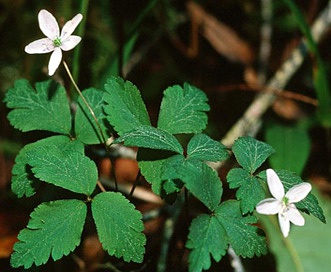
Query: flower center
[57,42]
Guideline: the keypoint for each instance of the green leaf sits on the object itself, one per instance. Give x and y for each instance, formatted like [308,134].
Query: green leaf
[125,108]
[202,147]
[309,204]
[43,108]
[251,153]
[55,229]
[243,237]
[152,171]
[203,182]
[86,130]
[250,190]
[119,226]
[23,180]
[307,248]
[292,146]
[66,168]
[183,110]
[151,137]
[207,237]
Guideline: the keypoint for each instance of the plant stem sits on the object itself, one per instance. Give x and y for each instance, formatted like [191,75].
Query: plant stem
[80,32]
[85,102]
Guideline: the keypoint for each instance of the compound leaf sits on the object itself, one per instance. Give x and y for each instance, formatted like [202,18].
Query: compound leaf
[183,110]
[202,147]
[119,226]
[151,137]
[43,108]
[250,190]
[251,153]
[66,168]
[243,237]
[86,129]
[207,237]
[23,180]
[54,229]
[124,107]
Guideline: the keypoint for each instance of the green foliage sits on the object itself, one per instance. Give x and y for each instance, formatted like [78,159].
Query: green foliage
[183,110]
[251,153]
[307,248]
[119,226]
[211,235]
[151,137]
[48,101]
[125,108]
[207,238]
[54,230]
[86,130]
[310,204]
[250,190]
[23,180]
[203,182]
[66,168]
[243,237]
[292,145]
[202,147]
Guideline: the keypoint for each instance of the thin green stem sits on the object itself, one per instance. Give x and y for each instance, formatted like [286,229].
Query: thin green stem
[85,102]
[80,32]
[289,245]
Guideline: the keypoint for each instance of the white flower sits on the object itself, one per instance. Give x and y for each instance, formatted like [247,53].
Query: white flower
[55,42]
[282,203]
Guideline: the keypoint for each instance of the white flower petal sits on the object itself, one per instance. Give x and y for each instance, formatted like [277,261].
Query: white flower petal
[70,42]
[295,216]
[40,46]
[298,192]
[276,187]
[48,24]
[54,61]
[269,206]
[284,223]
[70,26]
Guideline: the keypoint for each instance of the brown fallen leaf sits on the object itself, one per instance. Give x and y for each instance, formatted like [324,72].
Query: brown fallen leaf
[223,39]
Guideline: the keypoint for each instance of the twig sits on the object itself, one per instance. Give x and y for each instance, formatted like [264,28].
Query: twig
[262,102]
[277,92]
[265,33]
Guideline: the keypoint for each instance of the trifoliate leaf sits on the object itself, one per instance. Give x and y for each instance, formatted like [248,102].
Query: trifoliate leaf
[243,237]
[151,137]
[183,110]
[119,226]
[308,205]
[251,153]
[86,129]
[66,168]
[43,108]
[23,180]
[203,148]
[124,107]
[250,190]
[54,229]
[203,182]
[207,237]
[287,140]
